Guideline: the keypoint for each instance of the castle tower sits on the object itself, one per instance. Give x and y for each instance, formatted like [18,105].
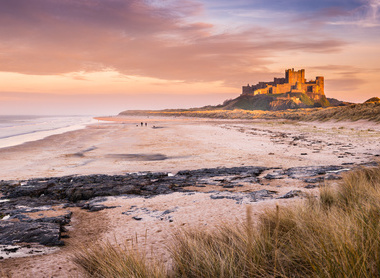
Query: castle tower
[320,80]
[302,76]
[292,77]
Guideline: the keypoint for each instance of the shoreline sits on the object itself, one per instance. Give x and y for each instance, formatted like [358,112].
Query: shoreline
[35,135]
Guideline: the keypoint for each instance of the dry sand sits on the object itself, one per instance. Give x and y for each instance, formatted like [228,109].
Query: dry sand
[118,146]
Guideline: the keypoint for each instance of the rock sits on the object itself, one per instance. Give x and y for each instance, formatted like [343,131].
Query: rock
[169,211]
[273,176]
[243,197]
[62,220]
[244,179]
[95,205]
[75,189]
[94,208]
[48,234]
[314,180]
[140,213]
[310,186]
[276,174]
[216,197]
[310,171]
[234,171]
[10,250]
[261,194]
[291,194]
[333,177]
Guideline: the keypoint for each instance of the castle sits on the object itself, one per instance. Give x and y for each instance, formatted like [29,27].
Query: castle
[294,82]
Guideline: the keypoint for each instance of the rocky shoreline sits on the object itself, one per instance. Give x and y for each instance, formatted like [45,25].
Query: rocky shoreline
[35,212]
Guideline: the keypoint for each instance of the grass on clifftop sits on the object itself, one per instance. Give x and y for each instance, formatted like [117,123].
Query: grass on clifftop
[335,235]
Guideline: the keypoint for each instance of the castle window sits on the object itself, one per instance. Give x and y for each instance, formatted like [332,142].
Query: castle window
[310,89]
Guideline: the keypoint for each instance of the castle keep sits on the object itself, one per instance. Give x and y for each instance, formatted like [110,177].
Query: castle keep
[294,82]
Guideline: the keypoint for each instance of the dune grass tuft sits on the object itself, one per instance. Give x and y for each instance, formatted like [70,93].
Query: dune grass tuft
[334,235]
[106,260]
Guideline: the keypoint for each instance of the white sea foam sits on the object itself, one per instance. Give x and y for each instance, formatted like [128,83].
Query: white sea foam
[16,130]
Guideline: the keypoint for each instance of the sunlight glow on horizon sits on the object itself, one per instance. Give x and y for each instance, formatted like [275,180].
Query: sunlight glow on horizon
[99,82]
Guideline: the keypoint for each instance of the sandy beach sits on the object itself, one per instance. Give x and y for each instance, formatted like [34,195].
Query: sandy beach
[120,145]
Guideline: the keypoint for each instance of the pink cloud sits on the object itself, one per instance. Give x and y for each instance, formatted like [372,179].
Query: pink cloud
[147,38]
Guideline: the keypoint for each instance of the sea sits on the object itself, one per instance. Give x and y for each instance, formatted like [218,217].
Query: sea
[16,130]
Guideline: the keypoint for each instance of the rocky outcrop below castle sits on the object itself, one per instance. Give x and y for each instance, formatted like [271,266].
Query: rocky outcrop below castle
[268,102]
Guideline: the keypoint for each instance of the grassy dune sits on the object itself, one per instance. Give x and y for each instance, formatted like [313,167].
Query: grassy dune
[334,235]
[366,111]
[291,114]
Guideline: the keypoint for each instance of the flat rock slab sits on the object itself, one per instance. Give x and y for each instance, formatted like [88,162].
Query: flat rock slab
[243,198]
[43,233]
[213,172]
[311,171]
[18,251]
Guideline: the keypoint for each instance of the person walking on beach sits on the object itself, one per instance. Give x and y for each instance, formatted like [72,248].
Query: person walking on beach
[142,123]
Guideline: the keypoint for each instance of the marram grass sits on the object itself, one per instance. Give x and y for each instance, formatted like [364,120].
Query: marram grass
[334,235]
[106,260]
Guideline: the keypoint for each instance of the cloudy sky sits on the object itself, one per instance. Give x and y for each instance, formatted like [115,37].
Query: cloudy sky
[103,56]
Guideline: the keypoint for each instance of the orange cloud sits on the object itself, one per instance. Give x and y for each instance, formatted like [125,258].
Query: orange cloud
[137,38]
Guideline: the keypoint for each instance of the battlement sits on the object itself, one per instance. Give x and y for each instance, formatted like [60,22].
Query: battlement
[294,82]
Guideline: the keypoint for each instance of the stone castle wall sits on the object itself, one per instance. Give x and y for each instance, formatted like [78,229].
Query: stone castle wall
[294,82]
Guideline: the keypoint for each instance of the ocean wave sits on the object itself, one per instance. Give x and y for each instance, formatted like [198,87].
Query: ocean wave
[20,129]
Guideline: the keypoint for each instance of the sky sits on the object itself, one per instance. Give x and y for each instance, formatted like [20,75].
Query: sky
[100,57]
